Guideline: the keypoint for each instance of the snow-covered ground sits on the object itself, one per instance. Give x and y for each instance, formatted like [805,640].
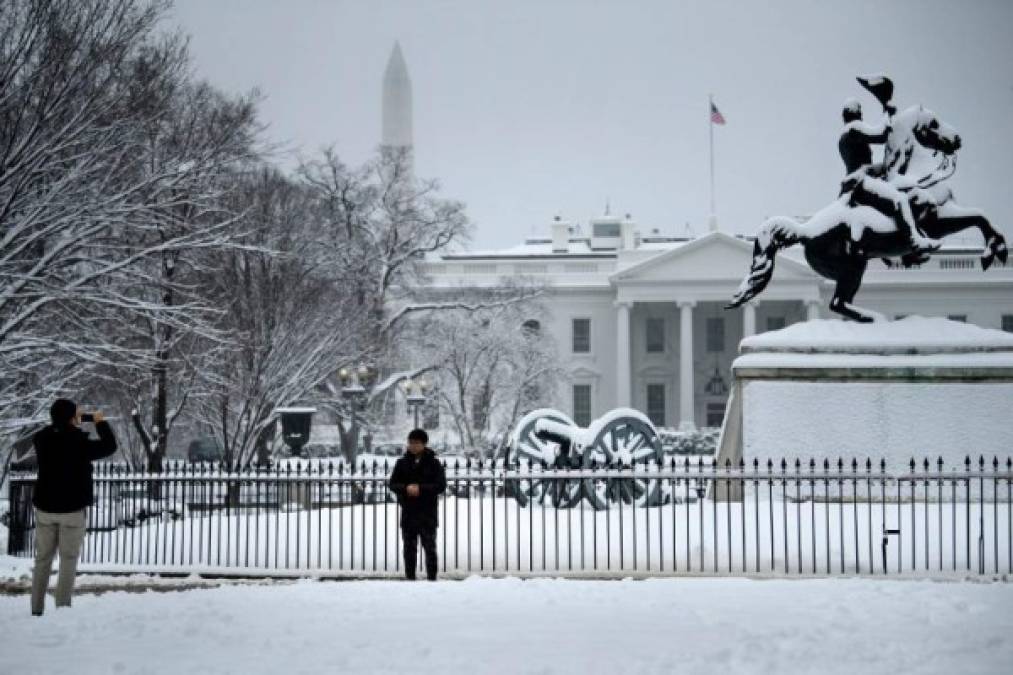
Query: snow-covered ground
[523,626]
[509,625]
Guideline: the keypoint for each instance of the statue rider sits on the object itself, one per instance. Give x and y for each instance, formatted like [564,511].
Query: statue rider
[865,179]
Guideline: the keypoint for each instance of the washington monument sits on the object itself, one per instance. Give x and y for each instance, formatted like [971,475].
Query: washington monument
[397,102]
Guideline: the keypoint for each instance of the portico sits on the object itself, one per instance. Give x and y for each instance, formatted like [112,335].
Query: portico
[674,339]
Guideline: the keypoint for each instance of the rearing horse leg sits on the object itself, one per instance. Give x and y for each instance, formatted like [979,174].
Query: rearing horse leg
[849,279]
[951,217]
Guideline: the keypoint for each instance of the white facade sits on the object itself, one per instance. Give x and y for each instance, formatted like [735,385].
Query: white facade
[658,337]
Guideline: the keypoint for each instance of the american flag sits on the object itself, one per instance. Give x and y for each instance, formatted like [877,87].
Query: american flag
[716,116]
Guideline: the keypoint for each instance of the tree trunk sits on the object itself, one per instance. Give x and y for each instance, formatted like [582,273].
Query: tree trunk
[161,417]
[162,376]
[349,440]
[263,450]
[154,461]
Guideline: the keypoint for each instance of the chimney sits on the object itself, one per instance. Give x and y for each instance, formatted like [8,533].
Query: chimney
[560,235]
[627,234]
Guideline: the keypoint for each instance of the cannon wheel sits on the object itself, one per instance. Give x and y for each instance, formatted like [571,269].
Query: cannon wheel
[624,439]
[527,446]
[558,492]
[536,451]
[561,493]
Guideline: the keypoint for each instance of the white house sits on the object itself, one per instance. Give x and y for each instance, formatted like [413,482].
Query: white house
[639,320]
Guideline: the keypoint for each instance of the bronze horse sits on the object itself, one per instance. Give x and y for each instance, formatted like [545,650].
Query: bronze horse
[840,239]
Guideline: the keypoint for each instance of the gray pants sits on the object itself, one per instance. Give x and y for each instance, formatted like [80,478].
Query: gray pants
[54,532]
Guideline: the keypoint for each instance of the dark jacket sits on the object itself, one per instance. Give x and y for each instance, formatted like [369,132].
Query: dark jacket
[856,141]
[65,455]
[426,471]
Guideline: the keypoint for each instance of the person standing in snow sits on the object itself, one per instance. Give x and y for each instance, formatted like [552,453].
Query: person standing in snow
[418,480]
[63,492]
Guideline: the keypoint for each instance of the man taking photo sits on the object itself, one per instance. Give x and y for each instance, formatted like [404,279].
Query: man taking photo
[63,492]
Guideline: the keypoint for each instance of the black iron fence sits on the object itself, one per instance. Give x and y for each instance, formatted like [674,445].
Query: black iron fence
[678,516]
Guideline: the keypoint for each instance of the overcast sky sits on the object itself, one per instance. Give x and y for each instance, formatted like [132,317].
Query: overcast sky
[529,108]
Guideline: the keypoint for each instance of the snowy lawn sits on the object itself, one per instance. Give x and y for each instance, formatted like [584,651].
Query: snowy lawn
[717,625]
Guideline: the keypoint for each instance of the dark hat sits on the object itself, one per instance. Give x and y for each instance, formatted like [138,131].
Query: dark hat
[62,412]
[418,435]
[879,86]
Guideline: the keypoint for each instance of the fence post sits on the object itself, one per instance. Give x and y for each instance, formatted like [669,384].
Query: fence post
[20,501]
[15,531]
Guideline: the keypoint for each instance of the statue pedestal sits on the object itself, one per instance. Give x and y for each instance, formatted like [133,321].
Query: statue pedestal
[914,388]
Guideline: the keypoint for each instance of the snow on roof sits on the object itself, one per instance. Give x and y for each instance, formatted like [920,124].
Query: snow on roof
[529,248]
[575,247]
[542,246]
[661,245]
[911,335]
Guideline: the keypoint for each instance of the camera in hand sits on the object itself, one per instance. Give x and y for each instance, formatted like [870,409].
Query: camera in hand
[87,417]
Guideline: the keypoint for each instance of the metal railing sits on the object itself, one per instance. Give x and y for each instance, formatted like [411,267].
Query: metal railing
[679,516]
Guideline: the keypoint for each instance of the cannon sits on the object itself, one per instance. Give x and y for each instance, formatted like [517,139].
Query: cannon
[622,438]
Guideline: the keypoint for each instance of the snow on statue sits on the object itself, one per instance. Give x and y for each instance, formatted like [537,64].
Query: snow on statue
[899,208]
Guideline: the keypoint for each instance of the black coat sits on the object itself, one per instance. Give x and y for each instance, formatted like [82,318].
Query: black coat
[855,144]
[65,455]
[427,472]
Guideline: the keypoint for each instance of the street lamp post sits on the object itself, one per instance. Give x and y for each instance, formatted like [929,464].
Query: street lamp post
[415,397]
[354,390]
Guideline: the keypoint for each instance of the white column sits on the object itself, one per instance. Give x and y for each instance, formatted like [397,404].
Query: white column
[686,402]
[812,310]
[623,355]
[749,318]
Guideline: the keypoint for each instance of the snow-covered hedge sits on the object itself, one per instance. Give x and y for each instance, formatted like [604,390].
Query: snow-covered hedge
[698,442]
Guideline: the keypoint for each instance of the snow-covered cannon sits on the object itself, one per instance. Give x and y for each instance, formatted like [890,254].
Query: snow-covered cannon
[622,438]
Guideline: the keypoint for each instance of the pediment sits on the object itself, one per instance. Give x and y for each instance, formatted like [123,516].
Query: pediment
[656,371]
[584,372]
[713,257]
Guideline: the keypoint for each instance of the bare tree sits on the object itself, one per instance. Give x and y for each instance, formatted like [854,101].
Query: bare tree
[338,292]
[491,366]
[377,224]
[289,325]
[210,137]
[83,213]
[61,153]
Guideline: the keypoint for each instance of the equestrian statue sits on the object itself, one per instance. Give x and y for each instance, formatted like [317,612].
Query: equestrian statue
[897,209]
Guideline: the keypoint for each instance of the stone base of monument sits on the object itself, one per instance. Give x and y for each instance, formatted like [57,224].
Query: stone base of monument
[913,388]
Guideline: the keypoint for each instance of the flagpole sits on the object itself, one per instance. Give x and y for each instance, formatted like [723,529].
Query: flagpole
[710,127]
